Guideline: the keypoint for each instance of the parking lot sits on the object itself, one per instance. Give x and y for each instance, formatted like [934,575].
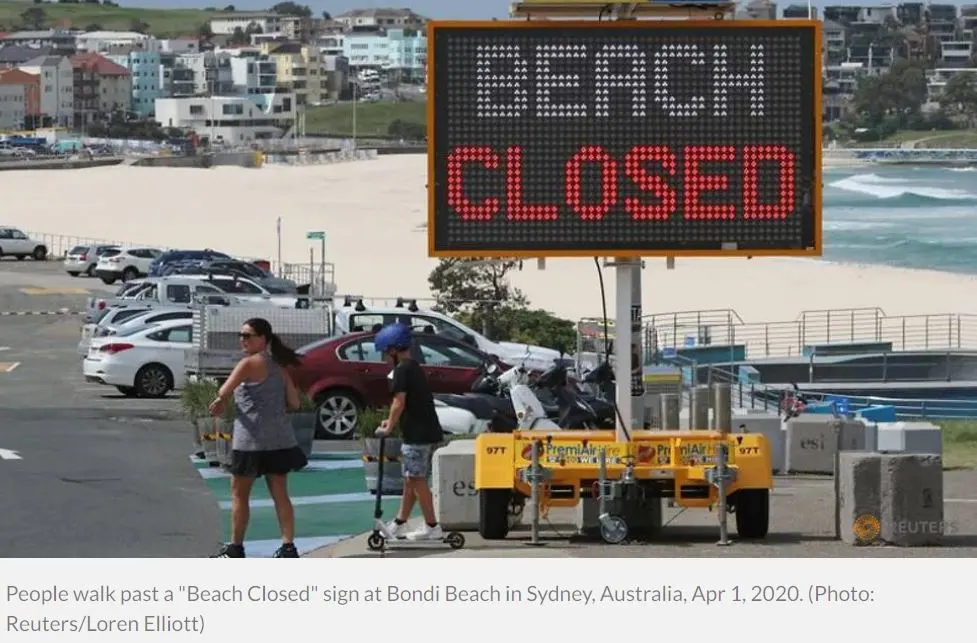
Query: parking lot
[97,474]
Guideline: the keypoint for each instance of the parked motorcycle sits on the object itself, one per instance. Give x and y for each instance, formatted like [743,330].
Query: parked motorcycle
[502,403]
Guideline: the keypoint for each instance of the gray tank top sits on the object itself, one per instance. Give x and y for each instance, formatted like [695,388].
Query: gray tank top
[261,422]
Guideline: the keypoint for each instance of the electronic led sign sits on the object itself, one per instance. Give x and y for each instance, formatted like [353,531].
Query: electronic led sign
[624,139]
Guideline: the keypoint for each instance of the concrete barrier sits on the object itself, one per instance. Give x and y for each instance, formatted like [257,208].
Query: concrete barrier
[318,158]
[61,163]
[910,437]
[811,443]
[894,499]
[453,476]
[772,429]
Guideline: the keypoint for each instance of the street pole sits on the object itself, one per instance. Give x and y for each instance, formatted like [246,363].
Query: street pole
[355,86]
[322,267]
[278,232]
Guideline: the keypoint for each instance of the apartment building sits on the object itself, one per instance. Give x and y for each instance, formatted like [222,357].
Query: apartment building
[253,72]
[381,18]
[14,55]
[103,41]
[292,27]
[101,87]
[57,100]
[144,69]
[175,78]
[185,45]
[233,120]
[62,40]
[20,99]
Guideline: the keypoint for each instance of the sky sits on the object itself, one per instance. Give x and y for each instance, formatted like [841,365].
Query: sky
[439,9]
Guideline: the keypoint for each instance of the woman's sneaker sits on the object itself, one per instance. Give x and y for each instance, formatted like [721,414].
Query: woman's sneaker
[287,551]
[230,551]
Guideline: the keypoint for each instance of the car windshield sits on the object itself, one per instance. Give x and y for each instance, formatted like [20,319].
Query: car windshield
[78,250]
[110,252]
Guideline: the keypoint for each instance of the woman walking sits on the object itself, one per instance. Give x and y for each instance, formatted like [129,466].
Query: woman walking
[263,441]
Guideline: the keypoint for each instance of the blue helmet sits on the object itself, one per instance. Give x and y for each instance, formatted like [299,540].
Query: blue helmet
[392,336]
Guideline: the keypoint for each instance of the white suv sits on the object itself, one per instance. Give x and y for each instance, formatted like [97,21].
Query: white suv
[129,264]
[15,243]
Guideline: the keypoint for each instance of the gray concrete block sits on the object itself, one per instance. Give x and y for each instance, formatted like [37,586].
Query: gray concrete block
[770,427]
[811,442]
[912,499]
[910,437]
[453,486]
[644,516]
[860,502]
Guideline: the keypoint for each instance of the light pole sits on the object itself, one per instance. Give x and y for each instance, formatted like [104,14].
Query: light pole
[355,87]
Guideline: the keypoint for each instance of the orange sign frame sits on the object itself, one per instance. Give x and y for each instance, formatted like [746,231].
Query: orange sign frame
[684,25]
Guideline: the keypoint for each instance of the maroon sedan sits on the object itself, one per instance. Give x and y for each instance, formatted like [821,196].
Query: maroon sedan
[343,375]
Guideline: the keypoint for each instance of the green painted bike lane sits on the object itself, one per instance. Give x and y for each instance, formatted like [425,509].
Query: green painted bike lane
[330,499]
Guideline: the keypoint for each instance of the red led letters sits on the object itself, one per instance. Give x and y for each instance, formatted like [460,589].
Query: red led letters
[652,169]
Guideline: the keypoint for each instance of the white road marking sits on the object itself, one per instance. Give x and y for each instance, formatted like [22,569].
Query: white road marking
[10,366]
[4,348]
[7,454]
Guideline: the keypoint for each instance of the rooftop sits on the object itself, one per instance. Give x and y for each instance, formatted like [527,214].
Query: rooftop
[98,64]
[44,61]
[18,54]
[287,48]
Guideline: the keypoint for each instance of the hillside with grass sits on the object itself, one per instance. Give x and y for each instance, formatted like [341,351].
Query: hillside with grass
[83,14]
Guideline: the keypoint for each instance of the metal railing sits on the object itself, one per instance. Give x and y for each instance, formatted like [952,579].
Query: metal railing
[908,408]
[811,329]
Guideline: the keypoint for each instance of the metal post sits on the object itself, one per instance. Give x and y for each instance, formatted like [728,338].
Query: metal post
[278,232]
[722,408]
[355,86]
[322,267]
[721,473]
[699,411]
[837,426]
[637,357]
[535,478]
[601,483]
[311,269]
[671,404]
[622,349]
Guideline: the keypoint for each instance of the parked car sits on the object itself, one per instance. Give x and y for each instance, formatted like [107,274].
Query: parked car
[240,268]
[129,264]
[81,260]
[343,375]
[110,317]
[168,262]
[14,242]
[148,361]
[122,320]
[247,290]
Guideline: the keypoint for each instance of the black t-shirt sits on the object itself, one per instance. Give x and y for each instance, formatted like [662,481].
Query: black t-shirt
[419,422]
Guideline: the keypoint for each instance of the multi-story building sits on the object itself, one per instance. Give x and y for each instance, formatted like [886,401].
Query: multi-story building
[835,42]
[936,80]
[381,18]
[941,23]
[911,13]
[212,72]
[144,67]
[800,11]
[842,14]
[265,21]
[175,78]
[61,40]
[20,99]
[185,45]
[232,120]
[840,82]
[407,54]
[102,87]
[102,41]
[253,72]
[955,53]
[757,10]
[297,67]
[367,47]
[57,88]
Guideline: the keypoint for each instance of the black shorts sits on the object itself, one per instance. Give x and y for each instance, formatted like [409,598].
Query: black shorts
[254,464]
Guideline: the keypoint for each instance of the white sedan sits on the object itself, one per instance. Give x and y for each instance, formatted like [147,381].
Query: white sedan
[145,362]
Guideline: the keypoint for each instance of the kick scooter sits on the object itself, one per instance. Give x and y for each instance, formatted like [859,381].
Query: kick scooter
[381,538]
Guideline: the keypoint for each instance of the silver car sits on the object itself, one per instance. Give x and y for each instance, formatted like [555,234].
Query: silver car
[81,260]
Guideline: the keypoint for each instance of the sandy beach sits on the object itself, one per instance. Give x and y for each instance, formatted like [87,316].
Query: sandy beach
[371,212]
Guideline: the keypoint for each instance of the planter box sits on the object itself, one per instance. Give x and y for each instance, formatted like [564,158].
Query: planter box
[304,426]
[210,451]
[393,482]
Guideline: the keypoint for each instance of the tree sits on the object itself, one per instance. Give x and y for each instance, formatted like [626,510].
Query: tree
[292,9]
[34,17]
[231,8]
[479,288]
[252,29]
[326,15]
[959,97]
[239,37]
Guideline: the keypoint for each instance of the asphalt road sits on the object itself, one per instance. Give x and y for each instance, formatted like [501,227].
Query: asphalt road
[99,475]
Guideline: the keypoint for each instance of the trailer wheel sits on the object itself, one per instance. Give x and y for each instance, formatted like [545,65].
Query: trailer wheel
[493,513]
[752,509]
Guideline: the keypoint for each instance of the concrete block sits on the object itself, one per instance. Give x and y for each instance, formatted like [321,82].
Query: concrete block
[910,437]
[453,486]
[770,427]
[644,516]
[811,442]
[860,501]
[912,500]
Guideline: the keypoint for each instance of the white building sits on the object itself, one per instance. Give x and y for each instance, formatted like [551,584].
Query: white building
[936,80]
[180,45]
[265,21]
[383,18]
[57,87]
[234,120]
[11,106]
[253,73]
[102,41]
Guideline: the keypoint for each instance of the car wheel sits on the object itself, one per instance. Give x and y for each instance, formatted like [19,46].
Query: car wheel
[90,271]
[336,415]
[129,274]
[128,391]
[40,253]
[153,380]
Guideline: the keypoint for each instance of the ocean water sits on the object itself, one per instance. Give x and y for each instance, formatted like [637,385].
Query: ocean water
[911,217]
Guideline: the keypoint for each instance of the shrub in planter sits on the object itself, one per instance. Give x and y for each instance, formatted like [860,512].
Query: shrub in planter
[367,425]
[303,423]
[195,399]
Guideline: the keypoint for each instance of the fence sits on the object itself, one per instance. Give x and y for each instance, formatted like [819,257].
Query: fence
[812,329]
